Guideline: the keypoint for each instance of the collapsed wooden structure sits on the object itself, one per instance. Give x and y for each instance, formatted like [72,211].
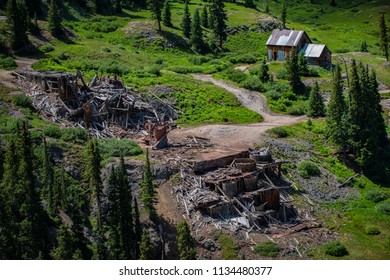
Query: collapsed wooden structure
[66,98]
[241,195]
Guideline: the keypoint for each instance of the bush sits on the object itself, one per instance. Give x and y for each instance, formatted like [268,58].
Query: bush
[267,249]
[384,208]
[154,70]
[52,131]
[335,249]
[234,75]
[273,94]
[7,63]
[63,56]
[106,49]
[76,135]
[371,230]
[297,109]
[280,132]
[22,100]
[47,48]
[112,147]
[253,83]
[245,58]
[198,60]
[306,169]
[229,250]
[376,196]
[282,74]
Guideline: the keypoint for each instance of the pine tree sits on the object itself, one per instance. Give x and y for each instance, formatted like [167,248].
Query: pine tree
[54,18]
[47,172]
[65,247]
[384,37]
[166,14]
[118,6]
[186,22]
[250,4]
[99,6]
[333,3]
[196,37]
[264,72]
[283,14]
[337,113]
[33,7]
[156,11]
[148,192]
[302,64]
[267,9]
[204,17]
[185,242]
[137,228]
[146,247]
[292,67]
[17,22]
[363,47]
[219,18]
[316,102]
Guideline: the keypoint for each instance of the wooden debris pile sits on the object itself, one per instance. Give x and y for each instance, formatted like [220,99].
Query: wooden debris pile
[98,106]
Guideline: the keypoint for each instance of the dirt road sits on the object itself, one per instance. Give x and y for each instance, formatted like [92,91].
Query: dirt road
[240,136]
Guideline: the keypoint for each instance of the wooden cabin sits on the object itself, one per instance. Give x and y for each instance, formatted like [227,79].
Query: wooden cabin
[281,42]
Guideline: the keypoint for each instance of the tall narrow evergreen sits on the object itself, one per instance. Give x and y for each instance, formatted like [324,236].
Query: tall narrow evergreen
[166,14]
[267,9]
[186,21]
[17,22]
[219,22]
[337,113]
[204,17]
[54,18]
[196,37]
[99,6]
[118,6]
[156,11]
[333,3]
[148,192]
[292,67]
[384,37]
[146,247]
[283,14]
[137,228]
[47,174]
[65,244]
[185,242]
[316,102]
[302,64]
[264,72]
[250,4]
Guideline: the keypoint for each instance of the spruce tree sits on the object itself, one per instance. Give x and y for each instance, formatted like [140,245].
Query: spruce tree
[219,19]
[156,11]
[250,4]
[65,244]
[137,228]
[166,14]
[211,19]
[264,72]
[316,102]
[292,68]
[333,3]
[185,242]
[384,37]
[54,18]
[17,22]
[204,17]
[267,9]
[283,14]
[99,6]
[186,22]
[146,247]
[302,64]
[118,6]
[148,192]
[47,173]
[337,113]
[196,37]
[363,46]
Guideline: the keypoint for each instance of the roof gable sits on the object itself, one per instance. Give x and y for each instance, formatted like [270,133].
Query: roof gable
[314,50]
[285,37]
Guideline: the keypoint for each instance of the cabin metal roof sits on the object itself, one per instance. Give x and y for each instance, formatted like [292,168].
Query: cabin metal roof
[285,37]
[314,50]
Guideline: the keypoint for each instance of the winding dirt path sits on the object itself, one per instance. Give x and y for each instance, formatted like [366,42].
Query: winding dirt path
[239,136]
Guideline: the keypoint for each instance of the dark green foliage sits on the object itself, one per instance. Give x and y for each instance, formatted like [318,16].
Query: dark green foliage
[118,6]
[335,249]
[17,22]
[185,242]
[148,192]
[375,196]
[219,25]
[384,208]
[333,3]
[316,102]
[54,18]
[166,14]
[253,83]
[302,64]
[250,4]
[267,9]
[264,72]
[47,179]
[22,100]
[371,230]
[156,11]
[47,48]
[111,147]
[337,113]
[307,169]
[186,22]
[283,14]
[234,75]
[7,63]
[384,37]
[228,248]
[204,17]
[280,132]
[196,37]
[146,247]
[267,249]
[66,245]
[137,228]
[292,67]
[363,47]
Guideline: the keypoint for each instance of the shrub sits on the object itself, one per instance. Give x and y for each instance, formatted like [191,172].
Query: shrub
[76,135]
[63,56]
[280,132]
[297,109]
[306,169]
[229,250]
[245,58]
[112,147]
[154,70]
[22,100]
[282,74]
[236,76]
[198,60]
[7,63]
[47,48]
[273,94]
[106,49]
[384,208]
[371,230]
[52,131]
[267,249]
[253,83]
[335,249]
[376,196]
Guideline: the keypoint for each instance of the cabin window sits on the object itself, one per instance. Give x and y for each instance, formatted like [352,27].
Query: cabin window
[270,55]
[281,55]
